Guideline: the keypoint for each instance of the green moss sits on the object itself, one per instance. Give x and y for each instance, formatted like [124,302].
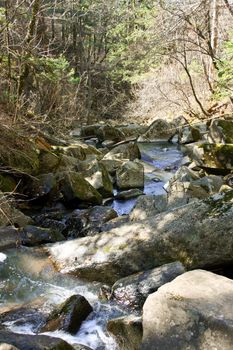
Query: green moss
[7,183]
[227,128]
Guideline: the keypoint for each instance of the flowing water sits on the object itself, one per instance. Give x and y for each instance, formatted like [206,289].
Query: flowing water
[26,274]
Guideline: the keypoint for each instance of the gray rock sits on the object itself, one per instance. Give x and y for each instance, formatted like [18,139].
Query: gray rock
[127,150]
[189,134]
[221,131]
[108,132]
[76,189]
[127,331]
[124,195]
[198,234]
[133,290]
[69,315]
[112,164]
[194,311]
[117,222]
[130,175]
[133,130]
[159,130]
[33,342]
[98,176]
[82,151]
[147,206]
[89,131]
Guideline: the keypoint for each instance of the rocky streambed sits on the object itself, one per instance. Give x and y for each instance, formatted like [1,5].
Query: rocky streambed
[104,237]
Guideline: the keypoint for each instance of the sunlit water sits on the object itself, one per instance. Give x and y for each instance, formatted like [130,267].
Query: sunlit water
[26,274]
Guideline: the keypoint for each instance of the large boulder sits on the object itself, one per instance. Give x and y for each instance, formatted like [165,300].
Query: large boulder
[147,206]
[194,311]
[187,185]
[221,131]
[215,156]
[198,234]
[33,342]
[130,175]
[132,291]
[76,189]
[129,150]
[127,331]
[108,132]
[188,134]
[159,130]
[97,175]
[69,315]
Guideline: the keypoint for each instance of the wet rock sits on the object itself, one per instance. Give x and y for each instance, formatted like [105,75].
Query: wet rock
[97,175]
[133,290]
[130,175]
[76,189]
[221,131]
[32,235]
[9,238]
[127,150]
[33,313]
[214,156]
[159,130]
[194,311]
[33,342]
[53,220]
[108,132]
[127,331]
[69,315]
[80,347]
[88,222]
[198,234]
[147,206]
[124,195]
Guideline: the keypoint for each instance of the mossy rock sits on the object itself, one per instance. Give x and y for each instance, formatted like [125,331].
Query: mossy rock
[18,152]
[215,156]
[76,189]
[7,183]
[221,131]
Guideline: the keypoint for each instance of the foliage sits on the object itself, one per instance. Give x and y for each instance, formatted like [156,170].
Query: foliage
[225,72]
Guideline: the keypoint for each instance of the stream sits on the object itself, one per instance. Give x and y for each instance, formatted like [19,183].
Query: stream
[27,275]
